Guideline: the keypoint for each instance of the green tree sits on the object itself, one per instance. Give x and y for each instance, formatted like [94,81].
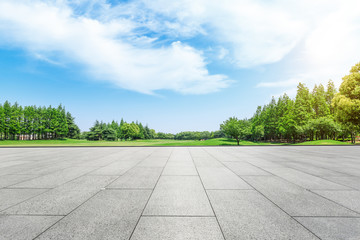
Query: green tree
[346,102]
[235,128]
[109,134]
[303,107]
[319,101]
[2,122]
[73,129]
[130,131]
[330,94]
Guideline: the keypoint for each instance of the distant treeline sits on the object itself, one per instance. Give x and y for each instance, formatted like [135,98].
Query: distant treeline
[191,135]
[135,130]
[118,131]
[319,114]
[32,122]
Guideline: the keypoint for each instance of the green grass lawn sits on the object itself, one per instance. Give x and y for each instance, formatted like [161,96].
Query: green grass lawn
[154,142]
[324,142]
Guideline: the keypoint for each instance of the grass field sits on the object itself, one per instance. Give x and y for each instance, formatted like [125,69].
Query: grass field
[154,142]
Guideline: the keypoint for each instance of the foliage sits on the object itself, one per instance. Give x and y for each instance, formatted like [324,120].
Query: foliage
[119,131]
[322,114]
[32,122]
[347,102]
[238,129]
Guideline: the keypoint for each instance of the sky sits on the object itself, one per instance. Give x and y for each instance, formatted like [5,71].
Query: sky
[184,65]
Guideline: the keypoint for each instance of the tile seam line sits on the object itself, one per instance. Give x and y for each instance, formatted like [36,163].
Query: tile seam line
[308,153]
[207,196]
[11,185]
[294,168]
[272,174]
[269,199]
[38,215]
[49,189]
[356,217]
[96,168]
[358,213]
[152,191]
[178,216]
[77,206]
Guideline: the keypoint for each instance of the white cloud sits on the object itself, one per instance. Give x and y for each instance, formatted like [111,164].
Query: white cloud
[323,36]
[331,46]
[256,32]
[47,28]
[113,42]
[286,83]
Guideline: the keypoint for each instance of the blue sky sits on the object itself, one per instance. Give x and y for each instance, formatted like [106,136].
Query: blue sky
[175,65]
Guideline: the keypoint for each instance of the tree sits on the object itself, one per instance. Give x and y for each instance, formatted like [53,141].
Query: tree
[73,129]
[109,134]
[287,121]
[7,113]
[130,130]
[2,122]
[303,109]
[234,128]
[346,102]
[319,101]
[330,94]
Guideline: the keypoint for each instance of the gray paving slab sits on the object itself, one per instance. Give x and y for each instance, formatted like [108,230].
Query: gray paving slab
[333,228]
[177,228]
[221,178]
[246,214]
[348,170]
[179,196]
[154,161]
[262,162]
[350,181]
[111,214]
[222,155]
[349,199]
[198,152]
[101,193]
[116,168]
[8,180]
[62,200]
[24,227]
[11,163]
[180,171]
[244,168]
[180,167]
[303,179]
[138,177]
[11,197]
[207,162]
[41,168]
[313,170]
[55,179]
[295,200]
[180,155]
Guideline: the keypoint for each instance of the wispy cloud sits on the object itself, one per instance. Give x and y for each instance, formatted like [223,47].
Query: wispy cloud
[47,28]
[322,35]
[146,45]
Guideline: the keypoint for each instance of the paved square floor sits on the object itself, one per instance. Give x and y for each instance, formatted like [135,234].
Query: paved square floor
[180,193]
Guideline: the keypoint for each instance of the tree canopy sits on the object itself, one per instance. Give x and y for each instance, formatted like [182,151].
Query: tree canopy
[347,101]
[32,122]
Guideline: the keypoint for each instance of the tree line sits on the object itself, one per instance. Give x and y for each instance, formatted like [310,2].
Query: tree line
[323,113]
[136,130]
[118,131]
[33,123]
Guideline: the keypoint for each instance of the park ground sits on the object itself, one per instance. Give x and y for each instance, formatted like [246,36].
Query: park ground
[156,142]
[175,193]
